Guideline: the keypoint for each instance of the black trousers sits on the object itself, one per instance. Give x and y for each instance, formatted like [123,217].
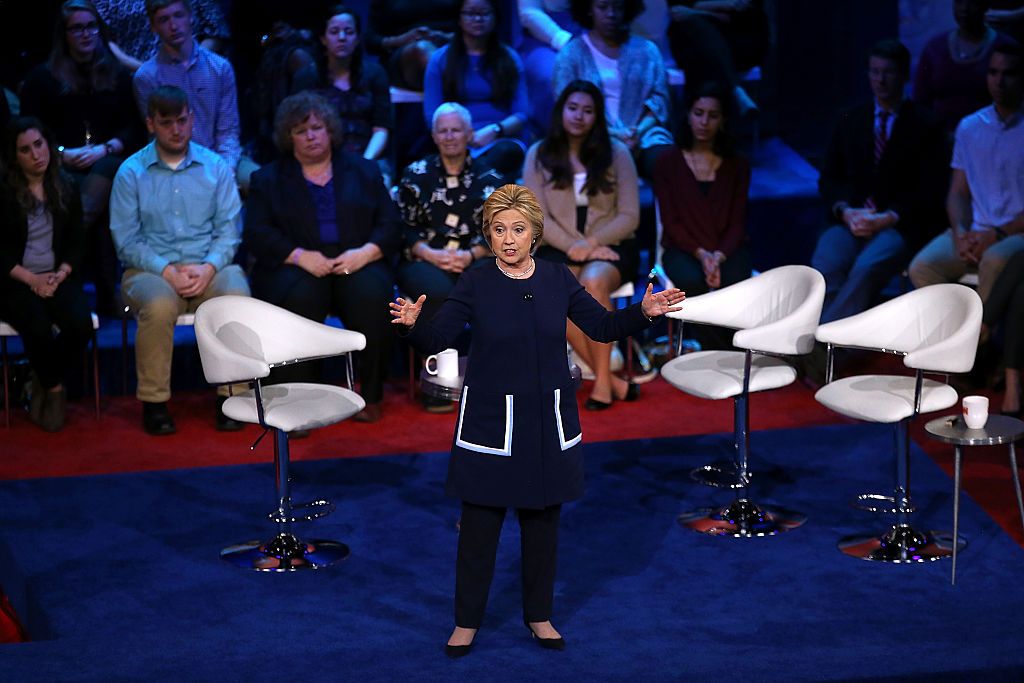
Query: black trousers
[34,317]
[361,301]
[478,545]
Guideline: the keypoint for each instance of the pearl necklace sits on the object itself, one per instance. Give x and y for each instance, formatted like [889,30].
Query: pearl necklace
[525,273]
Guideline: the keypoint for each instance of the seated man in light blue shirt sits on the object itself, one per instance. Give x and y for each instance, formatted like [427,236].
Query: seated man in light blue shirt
[174,215]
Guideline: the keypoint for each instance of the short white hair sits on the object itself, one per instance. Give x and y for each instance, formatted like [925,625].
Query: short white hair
[451,108]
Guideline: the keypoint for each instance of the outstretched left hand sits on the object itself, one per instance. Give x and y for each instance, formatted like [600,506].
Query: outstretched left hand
[661,303]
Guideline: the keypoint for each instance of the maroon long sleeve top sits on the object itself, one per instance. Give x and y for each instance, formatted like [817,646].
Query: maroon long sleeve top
[690,219]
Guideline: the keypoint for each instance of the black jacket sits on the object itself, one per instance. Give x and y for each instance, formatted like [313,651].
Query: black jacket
[281,214]
[68,231]
[910,179]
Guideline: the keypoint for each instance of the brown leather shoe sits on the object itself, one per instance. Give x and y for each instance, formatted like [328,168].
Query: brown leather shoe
[371,413]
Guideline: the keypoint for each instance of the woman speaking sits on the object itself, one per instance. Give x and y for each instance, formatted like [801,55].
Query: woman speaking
[517,439]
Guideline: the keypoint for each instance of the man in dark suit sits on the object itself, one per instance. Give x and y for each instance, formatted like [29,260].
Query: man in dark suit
[882,181]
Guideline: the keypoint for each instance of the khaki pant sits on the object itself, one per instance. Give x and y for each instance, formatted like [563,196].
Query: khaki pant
[157,306]
[938,262]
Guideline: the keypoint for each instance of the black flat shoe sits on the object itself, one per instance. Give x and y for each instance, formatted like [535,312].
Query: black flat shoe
[594,404]
[156,419]
[223,422]
[632,392]
[546,643]
[456,651]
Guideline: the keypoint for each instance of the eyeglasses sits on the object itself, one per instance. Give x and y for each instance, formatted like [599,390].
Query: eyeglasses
[474,15]
[92,28]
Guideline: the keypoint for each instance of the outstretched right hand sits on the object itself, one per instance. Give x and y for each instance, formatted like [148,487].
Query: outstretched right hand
[405,312]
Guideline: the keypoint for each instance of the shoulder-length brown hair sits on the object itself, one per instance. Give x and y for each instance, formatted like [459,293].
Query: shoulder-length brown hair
[296,109]
[57,187]
[101,76]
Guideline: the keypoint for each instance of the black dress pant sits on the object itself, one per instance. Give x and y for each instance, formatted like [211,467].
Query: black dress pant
[34,318]
[361,301]
[478,545]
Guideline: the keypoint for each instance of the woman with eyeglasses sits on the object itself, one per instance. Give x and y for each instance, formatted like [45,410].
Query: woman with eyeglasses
[41,240]
[84,95]
[479,72]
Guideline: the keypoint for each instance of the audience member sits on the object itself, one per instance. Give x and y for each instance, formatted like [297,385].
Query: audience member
[986,197]
[287,65]
[711,40]
[547,27]
[882,181]
[357,88]
[950,76]
[476,70]
[174,215]
[40,255]
[586,183]
[628,70]
[405,33]
[132,40]
[207,79]
[84,95]
[441,199]
[701,190]
[323,230]
[1005,308]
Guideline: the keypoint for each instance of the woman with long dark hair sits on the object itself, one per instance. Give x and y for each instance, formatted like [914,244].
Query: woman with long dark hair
[357,88]
[701,188]
[476,70]
[586,183]
[628,69]
[41,239]
[84,95]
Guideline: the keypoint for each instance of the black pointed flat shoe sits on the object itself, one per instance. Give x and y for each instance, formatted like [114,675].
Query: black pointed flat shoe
[594,404]
[632,392]
[456,651]
[546,643]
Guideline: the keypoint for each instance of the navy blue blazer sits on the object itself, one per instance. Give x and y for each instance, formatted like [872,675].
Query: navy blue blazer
[517,438]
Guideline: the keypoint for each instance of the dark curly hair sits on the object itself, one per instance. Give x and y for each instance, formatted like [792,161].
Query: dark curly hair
[296,109]
[581,11]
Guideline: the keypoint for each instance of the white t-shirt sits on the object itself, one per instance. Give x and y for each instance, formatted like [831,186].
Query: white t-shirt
[578,181]
[611,83]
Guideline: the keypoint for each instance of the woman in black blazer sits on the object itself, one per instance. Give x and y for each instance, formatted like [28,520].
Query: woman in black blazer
[324,232]
[517,440]
[41,242]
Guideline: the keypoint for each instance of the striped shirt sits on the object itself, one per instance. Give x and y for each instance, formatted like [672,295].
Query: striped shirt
[209,82]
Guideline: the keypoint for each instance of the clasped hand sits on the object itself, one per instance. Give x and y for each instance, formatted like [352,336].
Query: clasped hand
[450,260]
[970,245]
[189,279]
[44,285]
[345,263]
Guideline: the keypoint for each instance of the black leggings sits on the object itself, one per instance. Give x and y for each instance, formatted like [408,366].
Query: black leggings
[478,545]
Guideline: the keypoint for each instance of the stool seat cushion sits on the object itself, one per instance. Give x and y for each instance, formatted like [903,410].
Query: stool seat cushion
[719,374]
[296,405]
[883,398]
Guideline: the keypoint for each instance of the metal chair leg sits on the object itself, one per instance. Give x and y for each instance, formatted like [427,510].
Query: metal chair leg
[7,384]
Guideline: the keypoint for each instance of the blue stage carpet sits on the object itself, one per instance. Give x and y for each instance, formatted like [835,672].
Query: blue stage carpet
[123,580]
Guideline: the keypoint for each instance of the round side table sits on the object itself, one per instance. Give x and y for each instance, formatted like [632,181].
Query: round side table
[998,430]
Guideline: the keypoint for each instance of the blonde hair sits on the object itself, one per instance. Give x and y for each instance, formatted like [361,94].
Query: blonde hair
[521,199]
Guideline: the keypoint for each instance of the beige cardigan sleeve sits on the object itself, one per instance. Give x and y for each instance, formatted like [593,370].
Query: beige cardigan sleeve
[557,232]
[621,215]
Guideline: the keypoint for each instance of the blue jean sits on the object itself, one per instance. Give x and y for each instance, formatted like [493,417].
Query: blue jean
[856,269]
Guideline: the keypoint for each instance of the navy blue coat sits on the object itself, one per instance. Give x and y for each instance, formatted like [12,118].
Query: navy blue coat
[517,439]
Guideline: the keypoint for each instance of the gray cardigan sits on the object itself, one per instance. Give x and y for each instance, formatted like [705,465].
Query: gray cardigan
[642,73]
[611,218]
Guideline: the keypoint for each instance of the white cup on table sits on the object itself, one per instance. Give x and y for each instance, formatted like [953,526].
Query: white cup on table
[975,411]
[446,364]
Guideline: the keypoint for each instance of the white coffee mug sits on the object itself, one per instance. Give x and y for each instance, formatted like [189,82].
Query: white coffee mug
[446,364]
[975,411]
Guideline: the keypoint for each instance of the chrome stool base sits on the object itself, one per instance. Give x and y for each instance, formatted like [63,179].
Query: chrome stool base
[285,553]
[723,475]
[880,502]
[741,519]
[903,544]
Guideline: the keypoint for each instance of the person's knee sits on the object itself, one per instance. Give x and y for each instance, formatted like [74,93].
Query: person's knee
[157,310]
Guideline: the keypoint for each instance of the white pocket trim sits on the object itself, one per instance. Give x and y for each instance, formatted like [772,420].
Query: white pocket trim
[566,445]
[505,450]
